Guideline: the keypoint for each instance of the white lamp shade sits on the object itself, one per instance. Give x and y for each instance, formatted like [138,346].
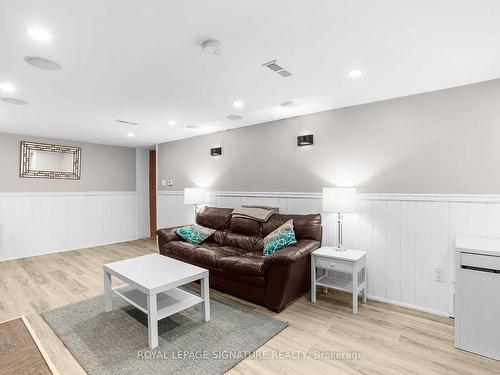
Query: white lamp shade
[341,200]
[195,196]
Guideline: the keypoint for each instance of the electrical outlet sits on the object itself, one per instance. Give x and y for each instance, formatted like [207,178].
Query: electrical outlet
[440,274]
[170,182]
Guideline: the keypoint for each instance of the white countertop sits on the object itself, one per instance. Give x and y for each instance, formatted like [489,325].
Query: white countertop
[347,255]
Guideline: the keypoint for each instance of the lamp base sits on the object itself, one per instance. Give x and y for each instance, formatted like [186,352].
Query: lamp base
[340,248]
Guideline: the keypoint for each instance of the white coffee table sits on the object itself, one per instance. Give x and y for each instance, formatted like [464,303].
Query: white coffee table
[151,286]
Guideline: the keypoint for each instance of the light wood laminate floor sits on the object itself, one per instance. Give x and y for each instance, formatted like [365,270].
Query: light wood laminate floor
[392,340]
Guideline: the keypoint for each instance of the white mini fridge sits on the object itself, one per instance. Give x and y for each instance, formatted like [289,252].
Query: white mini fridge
[477,296]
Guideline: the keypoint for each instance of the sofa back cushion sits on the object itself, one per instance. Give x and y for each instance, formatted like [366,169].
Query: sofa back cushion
[214,217]
[306,227]
[241,225]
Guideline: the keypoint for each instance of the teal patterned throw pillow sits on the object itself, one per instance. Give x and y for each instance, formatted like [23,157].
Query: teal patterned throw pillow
[279,238]
[194,234]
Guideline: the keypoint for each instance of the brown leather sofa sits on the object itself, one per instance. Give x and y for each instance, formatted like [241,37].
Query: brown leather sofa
[233,255]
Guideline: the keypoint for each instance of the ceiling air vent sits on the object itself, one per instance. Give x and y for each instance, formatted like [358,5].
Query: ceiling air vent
[127,122]
[284,73]
[275,67]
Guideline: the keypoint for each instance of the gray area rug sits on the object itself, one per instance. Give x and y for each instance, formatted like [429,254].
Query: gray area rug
[117,342]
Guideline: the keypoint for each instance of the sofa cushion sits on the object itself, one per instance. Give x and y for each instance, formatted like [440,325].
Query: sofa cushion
[253,254]
[306,227]
[280,238]
[194,234]
[248,265]
[242,225]
[183,250]
[218,237]
[210,244]
[210,255]
[214,217]
[293,253]
[240,240]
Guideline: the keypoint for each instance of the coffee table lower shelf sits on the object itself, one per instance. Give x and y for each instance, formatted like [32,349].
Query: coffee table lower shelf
[168,303]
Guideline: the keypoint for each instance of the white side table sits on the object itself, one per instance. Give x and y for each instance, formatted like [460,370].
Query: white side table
[349,261]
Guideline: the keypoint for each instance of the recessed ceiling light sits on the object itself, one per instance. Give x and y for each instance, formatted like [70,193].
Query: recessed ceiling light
[234,117]
[171,122]
[290,104]
[14,101]
[7,87]
[355,73]
[130,134]
[39,34]
[42,63]
[237,104]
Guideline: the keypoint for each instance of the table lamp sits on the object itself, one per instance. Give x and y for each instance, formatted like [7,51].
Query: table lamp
[195,196]
[341,201]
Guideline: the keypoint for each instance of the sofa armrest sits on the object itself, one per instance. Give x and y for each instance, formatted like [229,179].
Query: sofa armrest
[168,234]
[292,253]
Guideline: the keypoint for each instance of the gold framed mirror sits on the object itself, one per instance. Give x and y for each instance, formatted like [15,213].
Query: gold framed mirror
[41,160]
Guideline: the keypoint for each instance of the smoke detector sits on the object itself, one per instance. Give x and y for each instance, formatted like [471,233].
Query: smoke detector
[212,47]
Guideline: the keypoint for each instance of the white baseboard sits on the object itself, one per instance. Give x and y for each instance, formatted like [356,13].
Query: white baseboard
[408,306]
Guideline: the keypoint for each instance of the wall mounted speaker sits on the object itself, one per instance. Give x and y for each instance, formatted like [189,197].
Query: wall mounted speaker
[305,140]
[216,151]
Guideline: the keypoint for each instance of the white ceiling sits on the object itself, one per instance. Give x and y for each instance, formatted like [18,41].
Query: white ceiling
[141,61]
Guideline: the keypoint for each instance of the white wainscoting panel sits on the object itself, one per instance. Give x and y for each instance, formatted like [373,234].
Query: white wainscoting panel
[40,223]
[172,211]
[406,236]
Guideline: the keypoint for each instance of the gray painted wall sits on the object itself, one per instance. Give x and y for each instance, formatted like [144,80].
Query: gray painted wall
[446,141]
[104,168]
